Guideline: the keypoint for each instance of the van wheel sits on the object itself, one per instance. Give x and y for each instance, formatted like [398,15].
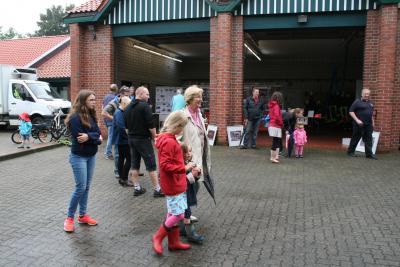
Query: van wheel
[37,120]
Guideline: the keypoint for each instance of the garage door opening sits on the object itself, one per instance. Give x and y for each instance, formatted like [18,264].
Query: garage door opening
[318,70]
[164,63]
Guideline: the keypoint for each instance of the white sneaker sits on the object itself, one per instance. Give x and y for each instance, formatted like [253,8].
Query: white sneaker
[193,219]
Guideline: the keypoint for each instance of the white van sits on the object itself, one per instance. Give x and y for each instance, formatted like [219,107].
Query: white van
[21,92]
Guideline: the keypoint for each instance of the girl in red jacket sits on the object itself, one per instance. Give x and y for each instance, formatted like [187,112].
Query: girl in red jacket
[172,181]
[275,125]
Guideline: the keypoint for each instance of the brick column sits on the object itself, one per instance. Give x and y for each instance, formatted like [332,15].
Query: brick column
[76,39]
[226,72]
[380,72]
[92,62]
[236,107]
[371,46]
[396,93]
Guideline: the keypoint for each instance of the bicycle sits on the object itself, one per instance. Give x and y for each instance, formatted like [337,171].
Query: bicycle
[39,131]
[58,128]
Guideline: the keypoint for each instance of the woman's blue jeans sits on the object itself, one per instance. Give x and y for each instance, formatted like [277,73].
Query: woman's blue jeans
[83,168]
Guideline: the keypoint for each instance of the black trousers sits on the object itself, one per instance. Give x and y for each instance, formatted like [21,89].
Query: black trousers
[276,143]
[290,144]
[124,161]
[364,132]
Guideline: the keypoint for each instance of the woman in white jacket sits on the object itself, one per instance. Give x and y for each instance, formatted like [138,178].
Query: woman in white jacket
[195,135]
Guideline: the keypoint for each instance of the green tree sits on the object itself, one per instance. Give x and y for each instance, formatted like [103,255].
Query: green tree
[51,22]
[9,34]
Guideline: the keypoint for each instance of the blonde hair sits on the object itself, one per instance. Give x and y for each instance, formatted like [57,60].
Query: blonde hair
[124,101]
[174,121]
[191,92]
[298,111]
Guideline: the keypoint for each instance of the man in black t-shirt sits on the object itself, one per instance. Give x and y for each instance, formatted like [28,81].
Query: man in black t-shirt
[140,129]
[361,111]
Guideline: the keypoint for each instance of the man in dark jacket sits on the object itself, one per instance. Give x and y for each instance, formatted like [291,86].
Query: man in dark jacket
[140,129]
[253,108]
[361,111]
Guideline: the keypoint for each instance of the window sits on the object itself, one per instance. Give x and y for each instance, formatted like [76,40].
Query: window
[19,92]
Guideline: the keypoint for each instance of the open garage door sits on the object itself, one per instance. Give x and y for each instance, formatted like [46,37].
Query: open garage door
[164,63]
[318,70]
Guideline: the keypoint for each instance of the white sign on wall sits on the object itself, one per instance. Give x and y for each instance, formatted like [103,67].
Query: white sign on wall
[375,138]
[211,133]
[234,134]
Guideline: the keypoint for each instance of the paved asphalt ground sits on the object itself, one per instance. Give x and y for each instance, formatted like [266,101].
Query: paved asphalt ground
[324,210]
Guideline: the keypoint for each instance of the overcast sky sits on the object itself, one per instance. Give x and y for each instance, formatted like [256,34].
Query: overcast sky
[23,14]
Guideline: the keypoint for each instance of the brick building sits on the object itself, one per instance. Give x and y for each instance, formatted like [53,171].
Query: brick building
[315,51]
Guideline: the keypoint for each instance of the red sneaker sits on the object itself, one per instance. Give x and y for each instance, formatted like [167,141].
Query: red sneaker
[87,219]
[69,225]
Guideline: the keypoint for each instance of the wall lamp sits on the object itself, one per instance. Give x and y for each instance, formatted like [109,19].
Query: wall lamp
[302,19]
[251,51]
[92,29]
[156,53]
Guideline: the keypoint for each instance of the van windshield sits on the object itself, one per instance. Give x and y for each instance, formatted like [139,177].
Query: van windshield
[42,91]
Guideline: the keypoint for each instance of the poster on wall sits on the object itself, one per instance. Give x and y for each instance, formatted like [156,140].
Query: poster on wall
[164,96]
[234,134]
[211,133]
[375,138]
[302,120]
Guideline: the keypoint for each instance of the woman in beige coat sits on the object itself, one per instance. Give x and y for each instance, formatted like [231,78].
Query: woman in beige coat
[195,135]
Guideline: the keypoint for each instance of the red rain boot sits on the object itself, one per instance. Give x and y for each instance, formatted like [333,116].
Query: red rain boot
[157,239]
[173,240]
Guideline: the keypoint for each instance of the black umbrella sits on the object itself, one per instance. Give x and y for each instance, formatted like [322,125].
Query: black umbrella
[208,180]
[209,184]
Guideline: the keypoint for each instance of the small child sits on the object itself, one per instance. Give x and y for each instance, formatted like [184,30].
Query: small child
[300,139]
[172,182]
[192,176]
[25,128]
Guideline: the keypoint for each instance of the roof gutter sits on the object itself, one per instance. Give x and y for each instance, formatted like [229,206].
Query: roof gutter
[90,17]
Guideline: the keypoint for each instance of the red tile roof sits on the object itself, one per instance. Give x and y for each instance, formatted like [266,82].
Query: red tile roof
[21,52]
[89,6]
[56,66]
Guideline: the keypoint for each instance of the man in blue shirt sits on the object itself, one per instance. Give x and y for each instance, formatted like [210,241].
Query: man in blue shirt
[178,101]
[361,111]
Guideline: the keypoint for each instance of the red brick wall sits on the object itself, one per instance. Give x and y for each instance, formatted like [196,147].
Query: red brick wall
[396,93]
[380,72]
[371,47]
[226,72]
[386,74]
[92,62]
[76,36]
[237,59]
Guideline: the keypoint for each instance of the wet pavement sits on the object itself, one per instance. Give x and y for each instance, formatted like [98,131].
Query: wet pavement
[9,150]
[324,210]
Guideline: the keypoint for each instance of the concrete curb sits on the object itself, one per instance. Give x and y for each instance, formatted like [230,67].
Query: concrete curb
[28,151]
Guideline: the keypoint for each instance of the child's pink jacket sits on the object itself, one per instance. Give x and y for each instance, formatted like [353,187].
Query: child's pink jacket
[300,137]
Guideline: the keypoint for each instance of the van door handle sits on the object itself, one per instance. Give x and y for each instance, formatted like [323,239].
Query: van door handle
[13,103]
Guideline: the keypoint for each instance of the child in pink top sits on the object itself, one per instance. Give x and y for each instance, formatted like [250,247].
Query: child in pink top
[300,139]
